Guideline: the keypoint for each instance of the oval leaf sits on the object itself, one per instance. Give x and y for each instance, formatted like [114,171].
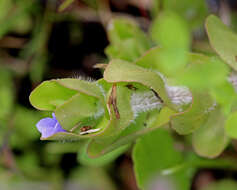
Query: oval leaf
[49,94]
[223,40]
[76,109]
[153,153]
[122,71]
[210,139]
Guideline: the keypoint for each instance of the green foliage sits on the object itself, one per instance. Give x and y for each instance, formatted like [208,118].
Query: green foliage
[115,125]
[65,4]
[76,102]
[135,130]
[193,11]
[17,16]
[153,153]
[127,40]
[193,117]
[79,107]
[102,160]
[223,40]
[225,95]
[152,86]
[174,47]
[121,71]
[162,32]
[203,72]
[49,95]
[210,139]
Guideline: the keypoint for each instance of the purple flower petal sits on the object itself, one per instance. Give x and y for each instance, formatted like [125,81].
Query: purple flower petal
[54,116]
[49,126]
[46,122]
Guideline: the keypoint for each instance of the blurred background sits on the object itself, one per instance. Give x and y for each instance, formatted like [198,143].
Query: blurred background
[47,39]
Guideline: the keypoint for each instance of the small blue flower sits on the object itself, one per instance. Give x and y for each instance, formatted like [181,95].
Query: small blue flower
[49,126]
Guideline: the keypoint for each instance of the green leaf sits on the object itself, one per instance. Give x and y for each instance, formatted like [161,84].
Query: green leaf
[102,160]
[222,185]
[225,96]
[66,136]
[230,126]
[75,102]
[63,148]
[108,129]
[127,40]
[194,12]
[144,123]
[95,89]
[49,94]
[82,86]
[174,47]
[153,153]
[223,40]
[193,117]
[122,71]
[65,4]
[115,125]
[128,50]
[210,139]
[151,60]
[203,72]
[76,109]
[102,146]
[162,31]
[120,29]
